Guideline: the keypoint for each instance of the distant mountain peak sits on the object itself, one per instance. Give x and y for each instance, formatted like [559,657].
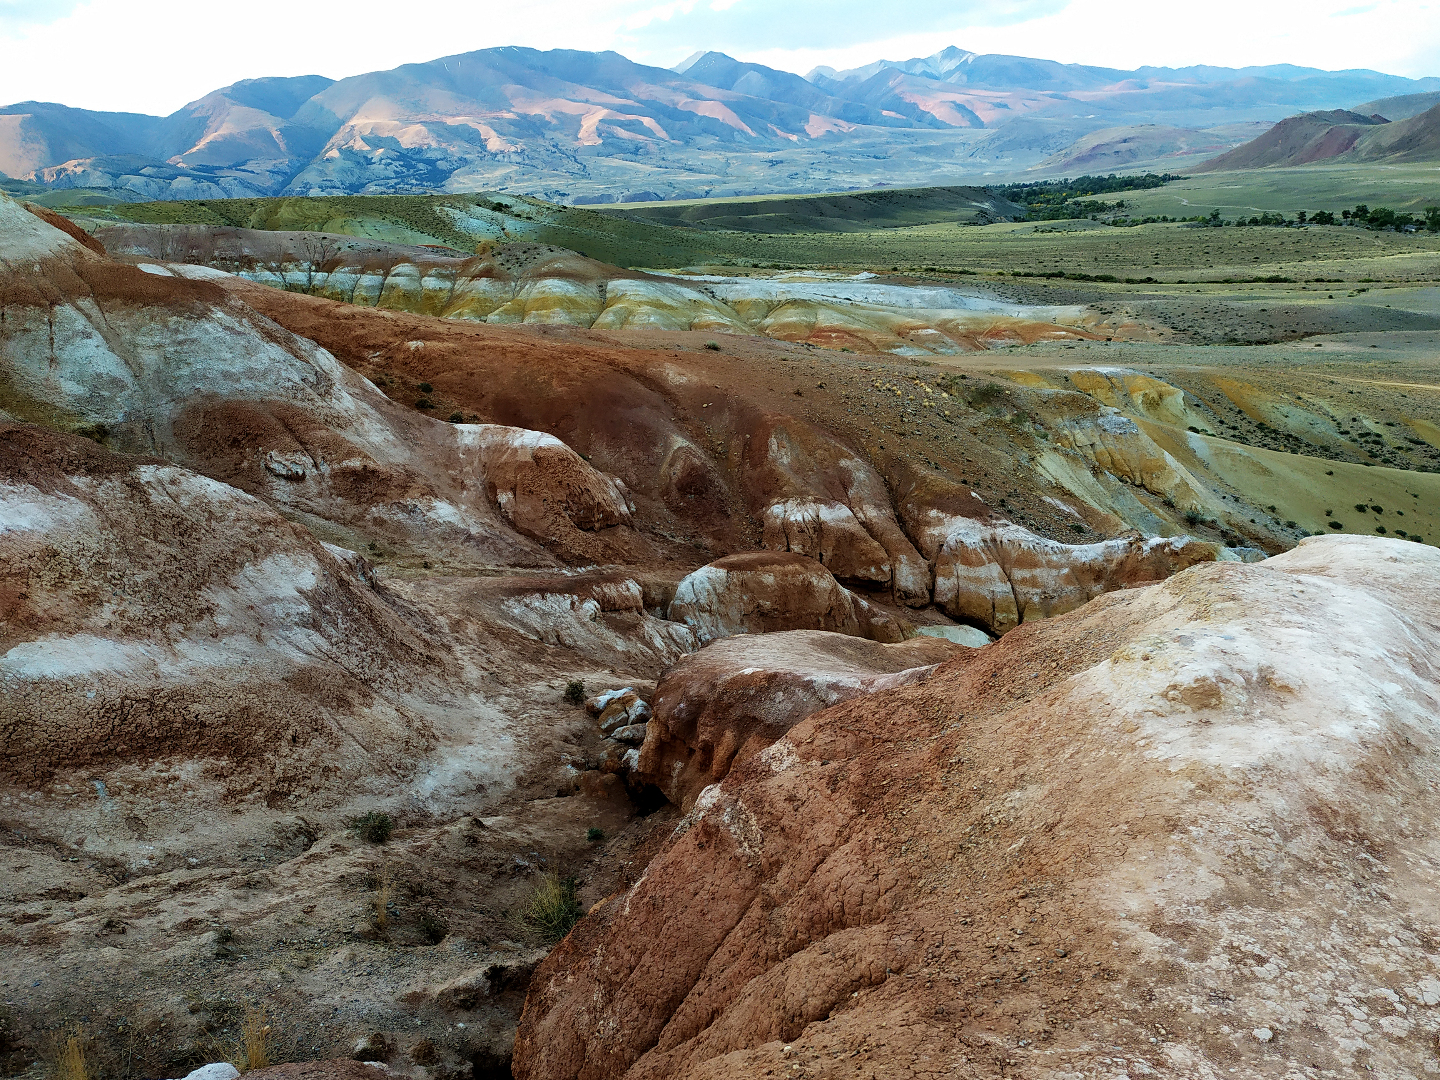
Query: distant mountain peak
[690,61]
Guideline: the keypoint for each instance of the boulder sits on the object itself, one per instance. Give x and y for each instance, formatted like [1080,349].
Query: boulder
[596,705]
[377,1046]
[626,710]
[631,734]
[760,592]
[730,700]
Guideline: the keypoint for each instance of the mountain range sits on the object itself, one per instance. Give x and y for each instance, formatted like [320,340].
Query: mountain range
[582,127]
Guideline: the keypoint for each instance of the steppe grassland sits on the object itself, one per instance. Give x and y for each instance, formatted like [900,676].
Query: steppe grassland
[1410,188]
[1166,251]
[1390,382]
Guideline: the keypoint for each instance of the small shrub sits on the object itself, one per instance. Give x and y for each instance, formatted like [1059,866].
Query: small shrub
[1194,518]
[424,403]
[1362,507]
[987,394]
[373,826]
[433,927]
[553,909]
[1336,525]
[457,418]
[594,834]
[575,692]
[713,346]
[426,388]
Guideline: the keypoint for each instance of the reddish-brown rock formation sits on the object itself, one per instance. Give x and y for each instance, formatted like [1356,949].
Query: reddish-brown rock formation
[722,705]
[1158,831]
[817,497]
[761,592]
[155,363]
[996,574]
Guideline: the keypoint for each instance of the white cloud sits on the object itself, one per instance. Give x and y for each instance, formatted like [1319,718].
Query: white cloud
[154,55]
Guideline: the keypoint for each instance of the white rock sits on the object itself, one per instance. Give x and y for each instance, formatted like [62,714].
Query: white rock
[219,1070]
[1264,1034]
[960,635]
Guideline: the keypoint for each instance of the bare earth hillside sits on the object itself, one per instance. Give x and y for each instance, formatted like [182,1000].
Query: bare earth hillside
[1181,832]
[894,674]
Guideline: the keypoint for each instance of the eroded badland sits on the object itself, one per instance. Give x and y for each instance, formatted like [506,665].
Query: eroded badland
[905,660]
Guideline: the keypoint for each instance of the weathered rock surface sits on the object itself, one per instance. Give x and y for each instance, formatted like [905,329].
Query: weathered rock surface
[198,621]
[725,703]
[996,574]
[818,498]
[1136,833]
[761,592]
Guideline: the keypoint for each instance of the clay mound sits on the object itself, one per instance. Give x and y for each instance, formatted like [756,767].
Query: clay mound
[762,592]
[722,705]
[1299,140]
[1160,835]
[817,497]
[150,612]
[149,362]
[68,227]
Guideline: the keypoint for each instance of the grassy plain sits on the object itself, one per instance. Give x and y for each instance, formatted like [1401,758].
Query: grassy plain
[1167,252]
[1310,187]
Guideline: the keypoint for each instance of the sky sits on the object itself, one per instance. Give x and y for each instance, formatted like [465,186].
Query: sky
[153,56]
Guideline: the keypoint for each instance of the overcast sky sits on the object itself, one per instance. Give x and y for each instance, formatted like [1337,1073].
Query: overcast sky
[155,55]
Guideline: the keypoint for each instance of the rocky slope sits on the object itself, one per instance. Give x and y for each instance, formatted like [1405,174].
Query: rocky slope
[318,561]
[725,703]
[1179,832]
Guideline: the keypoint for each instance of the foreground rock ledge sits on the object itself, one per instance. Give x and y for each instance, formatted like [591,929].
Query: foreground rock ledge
[1131,837]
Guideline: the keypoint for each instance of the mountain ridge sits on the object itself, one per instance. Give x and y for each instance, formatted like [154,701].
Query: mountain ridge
[575,126]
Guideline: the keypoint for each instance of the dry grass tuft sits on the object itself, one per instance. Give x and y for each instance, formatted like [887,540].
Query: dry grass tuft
[254,1040]
[384,892]
[71,1063]
[553,909]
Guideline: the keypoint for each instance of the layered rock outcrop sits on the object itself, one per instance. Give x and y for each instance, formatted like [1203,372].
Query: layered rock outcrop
[761,592]
[727,702]
[995,574]
[818,498]
[1157,830]
[151,362]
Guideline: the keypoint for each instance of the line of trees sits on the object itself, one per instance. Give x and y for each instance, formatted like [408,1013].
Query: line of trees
[1363,216]
[1059,200]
